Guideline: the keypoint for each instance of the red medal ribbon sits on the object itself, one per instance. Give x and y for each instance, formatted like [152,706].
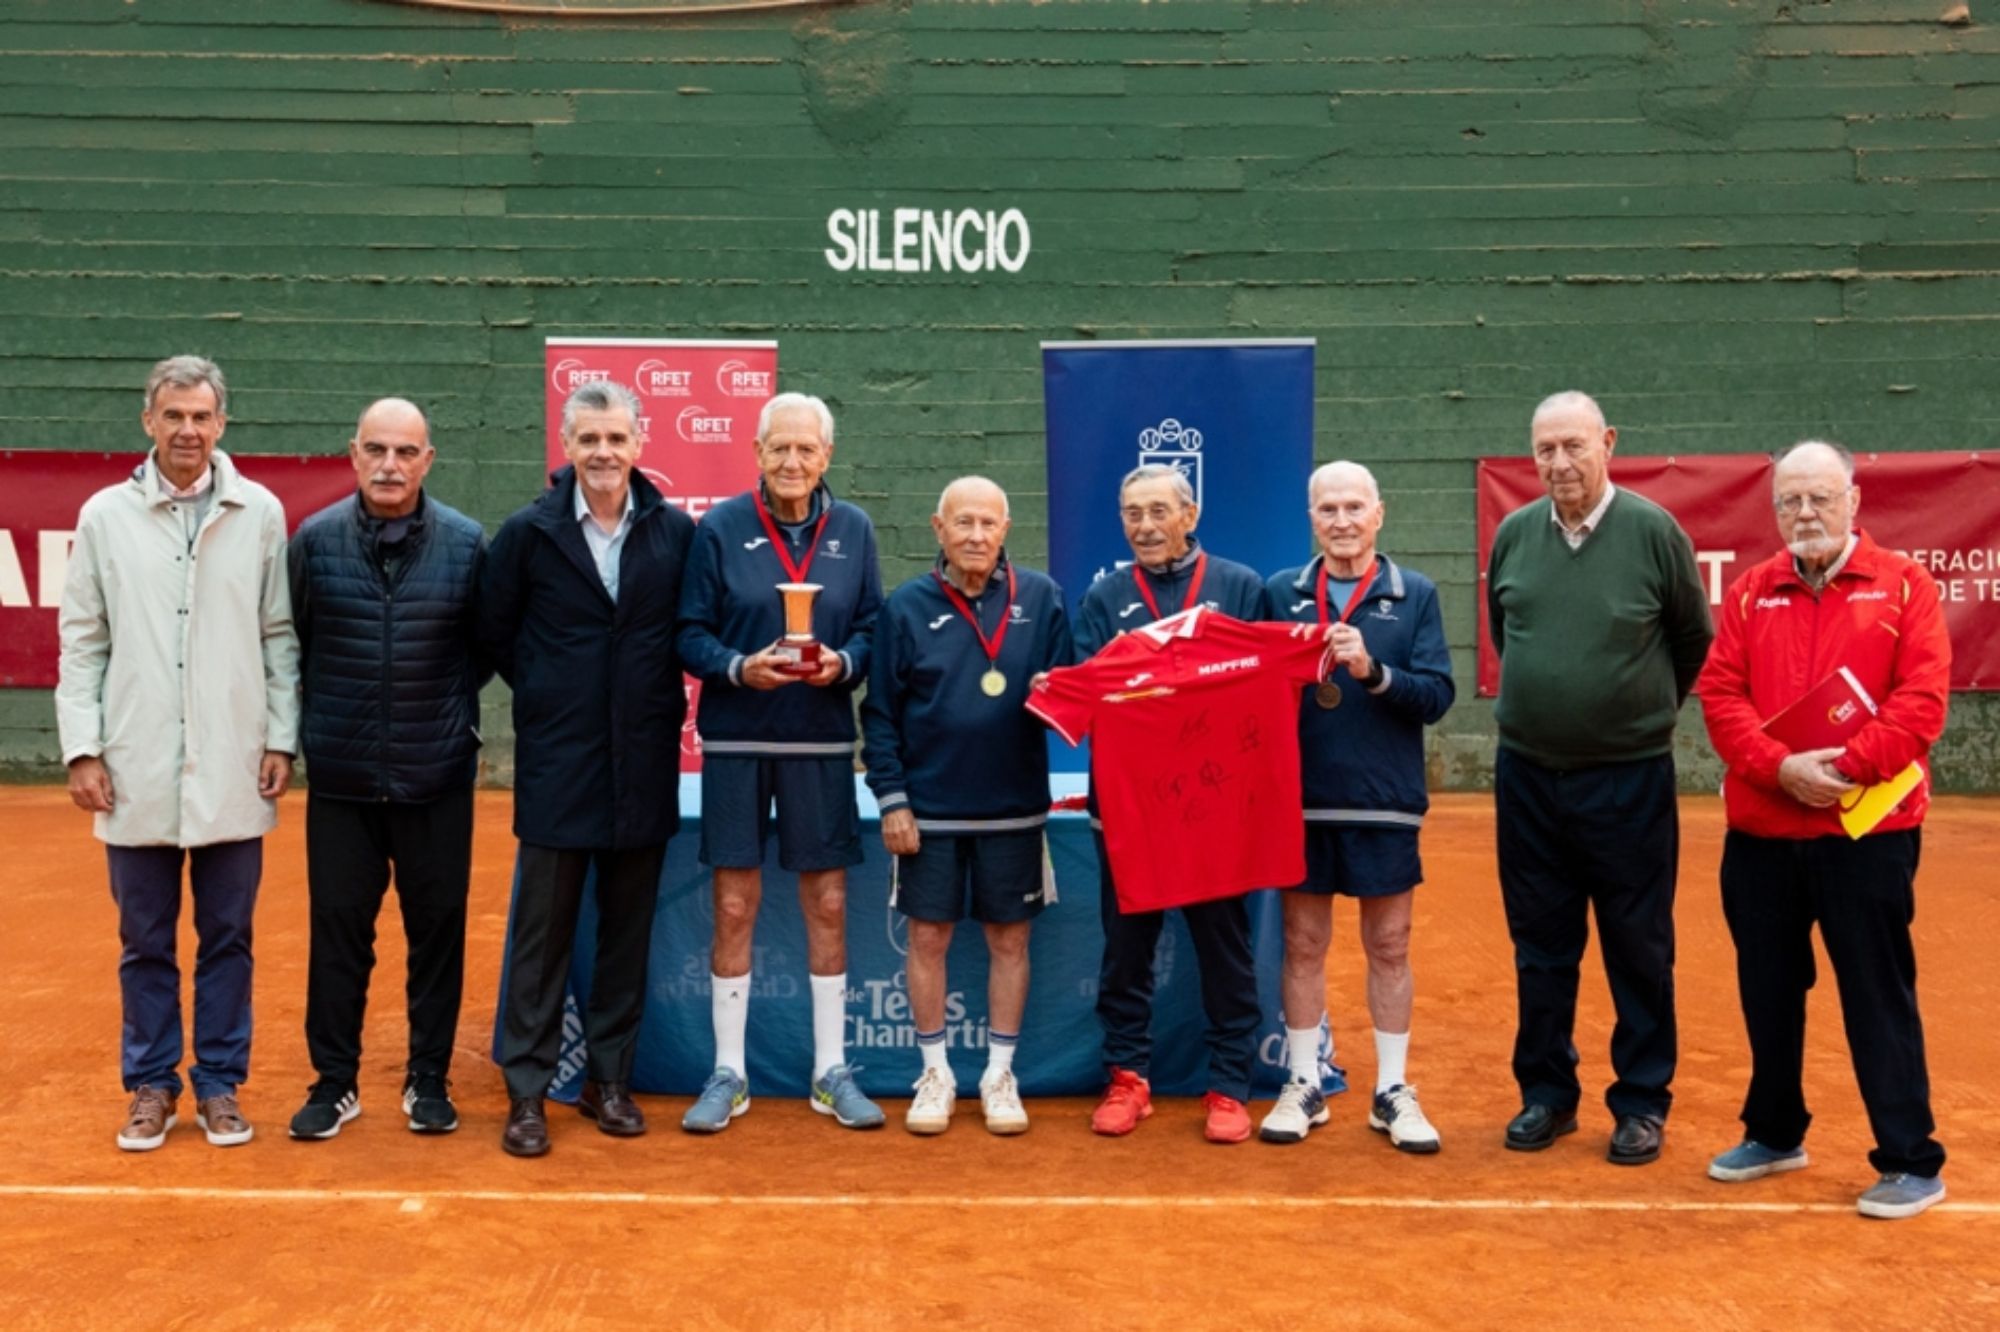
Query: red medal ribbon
[1194,585]
[1353,602]
[957,599]
[794,572]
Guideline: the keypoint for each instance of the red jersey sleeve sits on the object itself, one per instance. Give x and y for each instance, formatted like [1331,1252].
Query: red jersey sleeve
[1068,702]
[1734,726]
[1912,716]
[1298,651]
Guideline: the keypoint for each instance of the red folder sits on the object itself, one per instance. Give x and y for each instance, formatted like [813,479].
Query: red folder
[1830,712]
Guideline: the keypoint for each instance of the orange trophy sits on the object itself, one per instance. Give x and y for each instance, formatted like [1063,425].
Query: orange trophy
[798,648]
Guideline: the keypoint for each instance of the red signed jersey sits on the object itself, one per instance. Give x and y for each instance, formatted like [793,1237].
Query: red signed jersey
[1194,732]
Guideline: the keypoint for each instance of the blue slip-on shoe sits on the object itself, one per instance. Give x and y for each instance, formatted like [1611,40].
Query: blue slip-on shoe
[1751,1159]
[1897,1195]
[838,1095]
[723,1097]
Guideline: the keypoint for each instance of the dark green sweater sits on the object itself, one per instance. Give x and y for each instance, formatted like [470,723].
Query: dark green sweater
[1599,645]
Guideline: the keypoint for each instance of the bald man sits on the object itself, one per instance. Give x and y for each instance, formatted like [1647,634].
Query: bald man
[1831,600]
[1601,622]
[960,769]
[1361,750]
[382,595]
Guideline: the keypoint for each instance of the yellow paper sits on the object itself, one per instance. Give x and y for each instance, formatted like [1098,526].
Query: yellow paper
[1861,810]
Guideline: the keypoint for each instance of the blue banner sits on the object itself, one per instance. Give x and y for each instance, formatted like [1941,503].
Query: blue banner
[1235,417]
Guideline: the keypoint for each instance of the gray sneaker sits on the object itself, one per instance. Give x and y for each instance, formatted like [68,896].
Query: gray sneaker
[723,1097]
[1897,1195]
[1751,1159]
[836,1094]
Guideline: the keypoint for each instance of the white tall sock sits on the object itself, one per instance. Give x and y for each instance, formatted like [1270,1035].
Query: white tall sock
[1000,1053]
[829,1023]
[937,1055]
[729,1010]
[1392,1055]
[1302,1053]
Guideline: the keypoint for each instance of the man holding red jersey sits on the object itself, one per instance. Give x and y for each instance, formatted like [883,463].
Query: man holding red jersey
[1831,600]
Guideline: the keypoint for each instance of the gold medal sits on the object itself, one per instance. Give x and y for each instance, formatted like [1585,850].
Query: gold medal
[1327,695]
[993,684]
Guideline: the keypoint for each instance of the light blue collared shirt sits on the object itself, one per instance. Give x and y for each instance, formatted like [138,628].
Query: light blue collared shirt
[605,547]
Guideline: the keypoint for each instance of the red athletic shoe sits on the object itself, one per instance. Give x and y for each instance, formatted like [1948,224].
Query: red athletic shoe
[1228,1118]
[1127,1100]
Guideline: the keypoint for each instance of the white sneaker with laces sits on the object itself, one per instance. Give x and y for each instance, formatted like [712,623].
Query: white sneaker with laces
[1000,1098]
[930,1109]
[1396,1113]
[1300,1108]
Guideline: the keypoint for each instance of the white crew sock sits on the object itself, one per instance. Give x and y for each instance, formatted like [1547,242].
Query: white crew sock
[1000,1052]
[930,1044]
[1392,1055]
[1302,1053]
[829,1023]
[729,1010]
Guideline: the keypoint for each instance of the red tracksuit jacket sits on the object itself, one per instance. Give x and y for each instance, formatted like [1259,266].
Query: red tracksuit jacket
[1879,617]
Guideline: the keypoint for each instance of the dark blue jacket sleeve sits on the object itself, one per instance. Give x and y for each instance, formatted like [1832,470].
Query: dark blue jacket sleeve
[1093,626]
[1424,689]
[881,711]
[1059,649]
[703,654]
[502,584]
[866,609]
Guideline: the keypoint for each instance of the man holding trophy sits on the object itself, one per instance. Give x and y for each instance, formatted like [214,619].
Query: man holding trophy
[776,619]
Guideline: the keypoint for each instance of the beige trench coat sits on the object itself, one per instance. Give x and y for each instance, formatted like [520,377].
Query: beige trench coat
[179,666]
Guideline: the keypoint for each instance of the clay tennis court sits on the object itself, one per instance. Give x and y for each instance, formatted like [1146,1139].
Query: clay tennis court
[786,1221]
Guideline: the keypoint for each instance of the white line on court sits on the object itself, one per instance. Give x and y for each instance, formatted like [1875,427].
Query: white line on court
[778,1201]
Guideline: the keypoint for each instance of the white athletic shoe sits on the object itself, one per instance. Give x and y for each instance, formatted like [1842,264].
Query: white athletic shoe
[1000,1098]
[930,1109]
[1300,1109]
[1396,1113]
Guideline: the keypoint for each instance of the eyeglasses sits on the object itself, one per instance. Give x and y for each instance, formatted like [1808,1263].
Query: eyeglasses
[1793,505]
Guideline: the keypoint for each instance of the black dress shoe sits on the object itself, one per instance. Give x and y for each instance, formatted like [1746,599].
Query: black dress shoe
[527,1128]
[612,1106]
[1636,1140]
[1537,1126]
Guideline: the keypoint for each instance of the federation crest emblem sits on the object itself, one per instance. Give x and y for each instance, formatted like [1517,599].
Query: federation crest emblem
[1171,444]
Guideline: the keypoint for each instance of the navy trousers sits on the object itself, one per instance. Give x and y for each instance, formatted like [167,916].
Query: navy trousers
[1606,839]
[1221,934]
[1862,896]
[541,938]
[351,846]
[146,885]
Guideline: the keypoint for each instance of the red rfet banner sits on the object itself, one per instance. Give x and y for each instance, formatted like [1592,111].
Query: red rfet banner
[699,402]
[1941,509]
[41,491]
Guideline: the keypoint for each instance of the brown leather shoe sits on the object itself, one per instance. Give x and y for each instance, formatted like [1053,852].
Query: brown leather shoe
[222,1120]
[148,1119]
[527,1131]
[612,1106]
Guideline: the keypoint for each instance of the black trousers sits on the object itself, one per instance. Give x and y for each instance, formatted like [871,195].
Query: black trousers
[1604,838]
[1861,894]
[352,846]
[541,938]
[1221,934]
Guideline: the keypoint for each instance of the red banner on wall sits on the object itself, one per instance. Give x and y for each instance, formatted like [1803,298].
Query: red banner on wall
[699,403]
[39,498]
[1941,509]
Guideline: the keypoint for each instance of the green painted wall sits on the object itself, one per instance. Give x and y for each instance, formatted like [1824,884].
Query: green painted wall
[1736,223]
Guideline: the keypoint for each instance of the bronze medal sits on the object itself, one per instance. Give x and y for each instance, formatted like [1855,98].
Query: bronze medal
[1327,695]
[993,684]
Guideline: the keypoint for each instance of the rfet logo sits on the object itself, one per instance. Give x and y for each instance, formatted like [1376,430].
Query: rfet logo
[1841,711]
[1174,445]
[738,380]
[697,426]
[657,379]
[570,373]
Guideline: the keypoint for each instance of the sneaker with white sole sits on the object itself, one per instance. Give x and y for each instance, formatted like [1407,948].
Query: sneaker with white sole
[839,1095]
[1751,1159]
[1396,1113]
[1301,1108]
[427,1103]
[147,1119]
[328,1106]
[930,1109]
[723,1097]
[1897,1195]
[222,1120]
[1000,1099]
